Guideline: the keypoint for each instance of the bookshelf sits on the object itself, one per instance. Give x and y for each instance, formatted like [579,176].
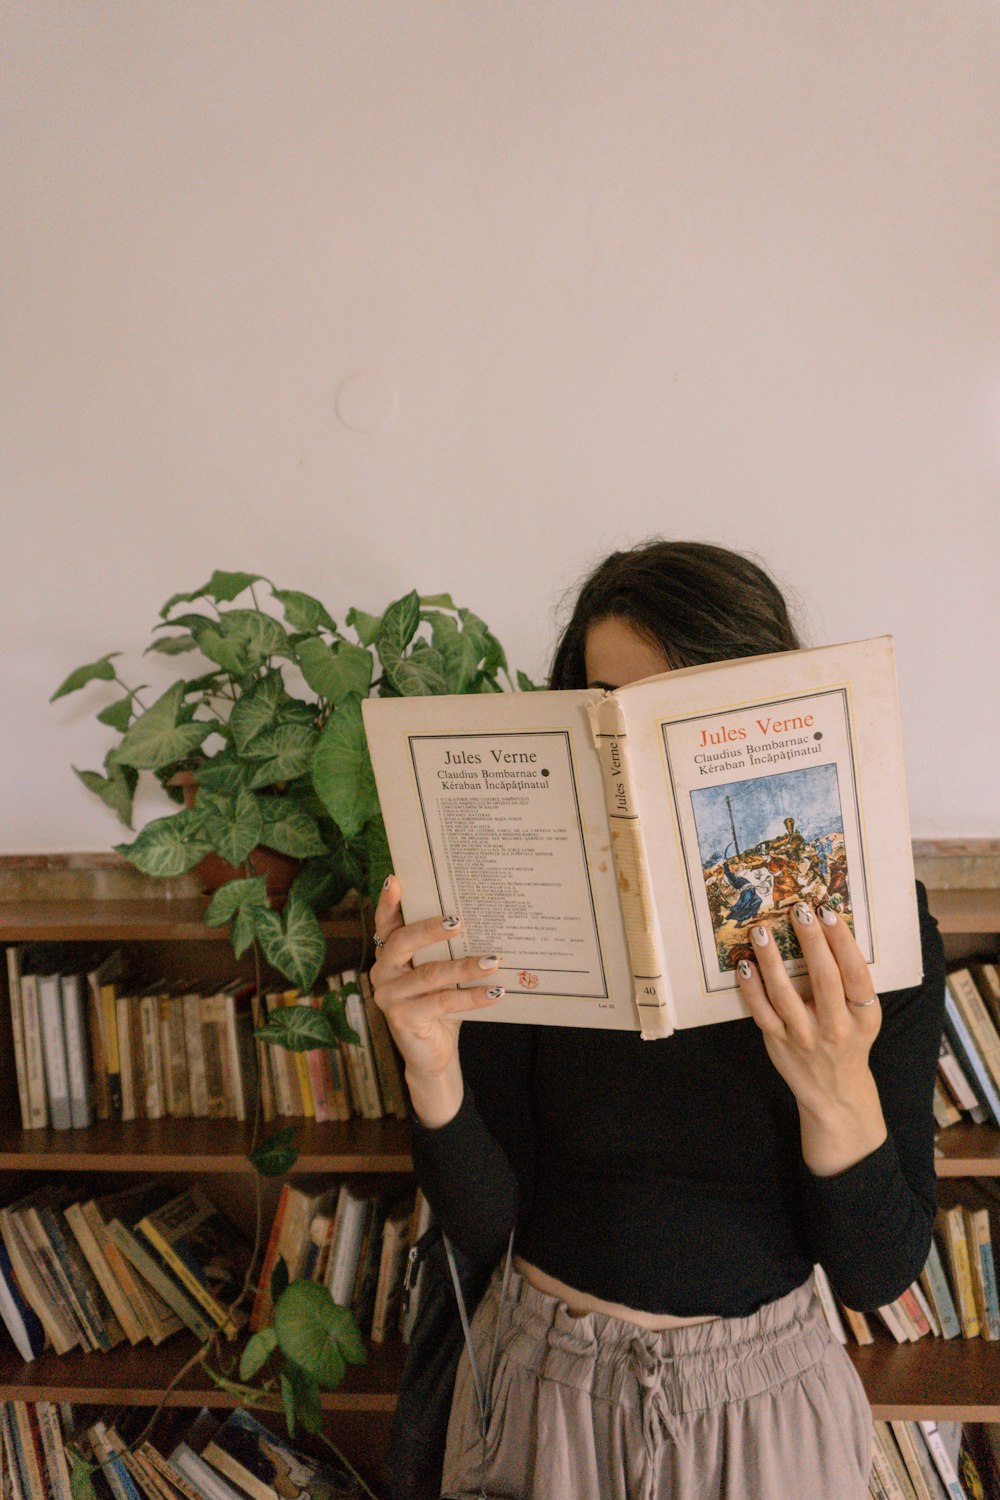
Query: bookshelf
[956,1379]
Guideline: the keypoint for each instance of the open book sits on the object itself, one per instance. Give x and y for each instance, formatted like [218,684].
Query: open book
[614,849]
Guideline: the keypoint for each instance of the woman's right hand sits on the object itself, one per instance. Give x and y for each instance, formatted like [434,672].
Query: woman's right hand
[420,1003]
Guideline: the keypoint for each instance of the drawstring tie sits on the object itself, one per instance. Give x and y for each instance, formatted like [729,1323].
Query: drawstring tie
[657,1416]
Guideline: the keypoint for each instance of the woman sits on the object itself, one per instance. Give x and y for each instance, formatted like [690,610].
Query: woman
[660,1335]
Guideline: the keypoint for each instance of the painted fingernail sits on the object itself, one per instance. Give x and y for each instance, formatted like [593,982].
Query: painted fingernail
[759,935]
[744,968]
[489,961]
[803,913]
[496,992]
[828,915]
[451,923]
[385,883]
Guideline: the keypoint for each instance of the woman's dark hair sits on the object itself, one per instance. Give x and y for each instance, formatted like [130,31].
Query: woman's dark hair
[696,602]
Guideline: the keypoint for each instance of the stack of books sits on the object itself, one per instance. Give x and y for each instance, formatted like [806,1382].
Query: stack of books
[93,1044]
[956,1292]
[82,1270]
[968,1081]
[45,1449]
[934,1461]
[355,1239]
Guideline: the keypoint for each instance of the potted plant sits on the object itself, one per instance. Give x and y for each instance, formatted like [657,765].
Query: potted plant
[265,754]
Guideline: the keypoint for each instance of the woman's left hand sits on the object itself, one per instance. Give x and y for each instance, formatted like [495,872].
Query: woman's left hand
[819,1042]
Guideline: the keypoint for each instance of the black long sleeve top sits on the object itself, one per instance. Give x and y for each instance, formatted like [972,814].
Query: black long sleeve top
[668,1176]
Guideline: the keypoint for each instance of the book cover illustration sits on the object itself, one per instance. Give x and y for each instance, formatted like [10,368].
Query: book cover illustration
[755,836]
[193,1236]
[268,1468]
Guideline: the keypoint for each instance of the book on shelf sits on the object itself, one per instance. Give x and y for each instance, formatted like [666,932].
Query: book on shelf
[20,1318]
[205,1251]
[266,1467]
[978,1210]
[982,1028]
[387,1064]
[126,1234]
[614,847]
[392,1263]
[298,1204]
[54,1051]
[973,1063]
[935,1285]
[27,1037]
[916,1457]
[361,1053]
[949,1229]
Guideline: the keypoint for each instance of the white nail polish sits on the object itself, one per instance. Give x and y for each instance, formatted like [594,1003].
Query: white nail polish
[496,992]
[759,935]
[385,883]
[451,924]
[744,968]
[803,913]
[828,915]
[489,962]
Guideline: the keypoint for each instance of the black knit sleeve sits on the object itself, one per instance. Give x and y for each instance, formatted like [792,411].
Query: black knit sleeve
[870,1226]
[477,1171]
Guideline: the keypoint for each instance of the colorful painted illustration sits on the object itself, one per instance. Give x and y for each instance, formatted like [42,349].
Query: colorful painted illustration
[764,844]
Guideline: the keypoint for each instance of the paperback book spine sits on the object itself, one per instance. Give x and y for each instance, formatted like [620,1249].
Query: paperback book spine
[17,1028]
[77,1058]
[638,913]
[37,1096]
[969,1056]
[56,1075]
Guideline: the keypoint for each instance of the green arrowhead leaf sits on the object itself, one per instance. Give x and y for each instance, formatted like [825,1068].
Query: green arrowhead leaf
[437,601]
[276,1156]
[316,1334]
[366,625]
[257,710]
[420,673]
[342,771]
[172,645]
[289,829]
[297,1028]
[233,896]
[283,753]
[305,1394]
[117,715]
[303,612]
[294,945]
[96,669]
[223,773]
[243,930]
[334,1007]
[378,860]
[525,684]
[156,738]
[182,599]
[116,790]
[324,881]
[225,586]
[458,650]
[288,1402]
[168,846]
[242,640]
[257,1351]
[232,824]
[335,671]
[399,625]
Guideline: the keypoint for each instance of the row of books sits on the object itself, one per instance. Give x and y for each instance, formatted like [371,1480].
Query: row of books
[956,1292]
[968,1078]
[934,1461]
[79,1270]
[355,1238]
[45,1447]
[91,1045]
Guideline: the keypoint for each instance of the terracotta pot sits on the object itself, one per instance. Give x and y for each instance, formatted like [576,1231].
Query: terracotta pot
[213,871]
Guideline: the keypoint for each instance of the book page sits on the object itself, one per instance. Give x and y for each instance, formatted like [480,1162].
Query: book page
[765,784]
[495,812]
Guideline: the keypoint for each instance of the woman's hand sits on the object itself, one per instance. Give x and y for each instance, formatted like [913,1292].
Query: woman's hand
[420,1003]
[820,1042]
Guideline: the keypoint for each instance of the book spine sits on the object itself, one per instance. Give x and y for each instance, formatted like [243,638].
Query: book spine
[301,1067]
[77,1059]
[942,1462]
[100,1090]
[23,1323]
[329,1061]
[389,1077]
[260,1314]
[985,1035]
[164,1285]
[233,1053]
[17,1029]
[124,1033]
[935,1284]
[29,1455]
[923,1475]
[37,1096]
[8,1452]
[213,1050]
[184,1274]
[365,1058]
[167,1472]
[55,1453]
[984,1281]
[317,1081]
[109,1016]
[195,1055]
[83,1301]
[158,1318]
[34,1284]
[967,1052]
[103,1274]
[824,1291]
[957,1254]
[914,1312]
[152,1062]
[54,1047]
[642,933]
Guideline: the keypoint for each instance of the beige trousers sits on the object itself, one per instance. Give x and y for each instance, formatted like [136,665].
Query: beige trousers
[767,1407]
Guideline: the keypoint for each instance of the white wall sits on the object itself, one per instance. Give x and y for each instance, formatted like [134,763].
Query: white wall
[724,270]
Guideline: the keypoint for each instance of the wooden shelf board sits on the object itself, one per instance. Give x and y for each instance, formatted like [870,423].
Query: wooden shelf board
[968,1151]
[945,1380]
[966,910]
[205,1146]
[139,1376]
[180,919]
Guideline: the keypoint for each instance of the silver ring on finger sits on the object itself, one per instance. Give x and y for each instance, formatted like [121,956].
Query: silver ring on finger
[861,1004]
[379,942]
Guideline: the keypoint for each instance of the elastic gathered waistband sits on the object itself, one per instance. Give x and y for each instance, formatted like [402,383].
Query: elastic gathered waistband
[694,1367]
